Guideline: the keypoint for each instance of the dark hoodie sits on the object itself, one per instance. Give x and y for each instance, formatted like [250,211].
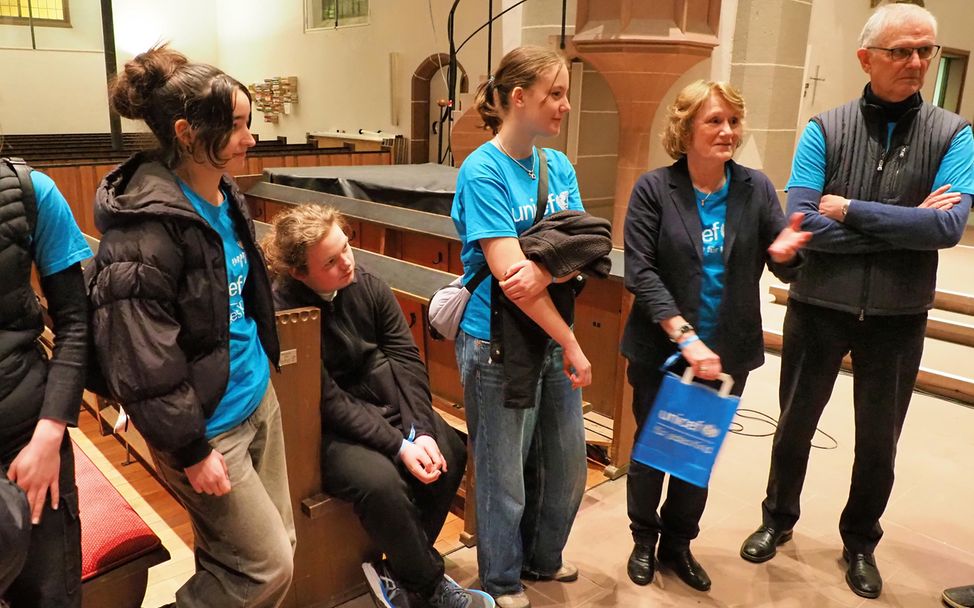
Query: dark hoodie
[160,303]
[374,387]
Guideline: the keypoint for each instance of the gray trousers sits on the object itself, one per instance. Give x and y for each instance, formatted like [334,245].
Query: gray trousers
[245,539]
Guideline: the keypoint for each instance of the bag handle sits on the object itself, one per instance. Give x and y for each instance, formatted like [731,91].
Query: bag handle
[727,382]
[542,195]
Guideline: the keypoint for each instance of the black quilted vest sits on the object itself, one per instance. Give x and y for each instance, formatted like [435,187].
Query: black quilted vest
[20,313]
[859,165]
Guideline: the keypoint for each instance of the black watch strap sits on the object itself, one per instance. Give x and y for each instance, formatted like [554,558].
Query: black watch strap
[682,331]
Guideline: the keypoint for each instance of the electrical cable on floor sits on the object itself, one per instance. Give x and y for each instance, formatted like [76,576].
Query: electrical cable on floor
[738,427]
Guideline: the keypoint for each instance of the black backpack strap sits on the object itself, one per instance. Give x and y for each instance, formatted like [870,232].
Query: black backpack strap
[542,185]
[27,197]
[478,278]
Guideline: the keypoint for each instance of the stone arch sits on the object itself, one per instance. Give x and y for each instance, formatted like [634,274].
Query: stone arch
[420,129]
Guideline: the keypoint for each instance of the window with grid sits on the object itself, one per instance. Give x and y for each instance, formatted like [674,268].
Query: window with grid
[329,14]
[41,12]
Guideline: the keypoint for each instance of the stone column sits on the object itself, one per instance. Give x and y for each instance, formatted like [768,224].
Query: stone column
[641,48]
[768,66]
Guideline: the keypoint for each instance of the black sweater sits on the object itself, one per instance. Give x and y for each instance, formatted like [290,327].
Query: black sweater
[374,386]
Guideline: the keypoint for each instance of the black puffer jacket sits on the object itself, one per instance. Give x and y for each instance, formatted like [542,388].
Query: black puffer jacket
[161,304]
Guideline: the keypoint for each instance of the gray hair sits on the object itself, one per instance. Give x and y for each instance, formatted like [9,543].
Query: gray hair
[889,14]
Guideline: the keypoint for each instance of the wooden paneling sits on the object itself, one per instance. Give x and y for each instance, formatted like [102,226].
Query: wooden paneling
[415,314]
[424,250]
[598,311]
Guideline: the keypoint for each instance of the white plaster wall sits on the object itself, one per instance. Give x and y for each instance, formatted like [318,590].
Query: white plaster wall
[57,82]
[344,76]
[834,37]
[62,86]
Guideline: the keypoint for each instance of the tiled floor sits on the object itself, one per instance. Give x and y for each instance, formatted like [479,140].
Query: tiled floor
[929,541]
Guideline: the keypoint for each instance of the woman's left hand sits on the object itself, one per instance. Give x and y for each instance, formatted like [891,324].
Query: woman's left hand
[37,467]
[789,241]
[525,279]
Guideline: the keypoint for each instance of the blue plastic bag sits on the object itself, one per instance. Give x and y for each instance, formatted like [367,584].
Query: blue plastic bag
[686,426]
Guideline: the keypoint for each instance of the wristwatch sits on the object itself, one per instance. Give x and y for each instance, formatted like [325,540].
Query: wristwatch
[845,209]
[682,331]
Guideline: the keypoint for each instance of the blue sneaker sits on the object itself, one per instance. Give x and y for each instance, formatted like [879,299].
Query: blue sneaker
[449,594]
[386,592]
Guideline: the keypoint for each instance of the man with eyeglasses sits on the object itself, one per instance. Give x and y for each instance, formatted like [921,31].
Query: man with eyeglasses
[884,182]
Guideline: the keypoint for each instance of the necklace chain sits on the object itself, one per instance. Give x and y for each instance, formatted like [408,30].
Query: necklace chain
[529,171]
[711,193]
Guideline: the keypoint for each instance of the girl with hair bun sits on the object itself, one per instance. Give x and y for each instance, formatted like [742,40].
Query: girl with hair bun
[184,326]
[530,462]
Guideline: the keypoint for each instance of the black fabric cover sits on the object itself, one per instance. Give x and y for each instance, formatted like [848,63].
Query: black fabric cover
[428,187]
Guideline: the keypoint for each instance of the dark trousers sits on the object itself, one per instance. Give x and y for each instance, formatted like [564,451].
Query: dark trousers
[885,358]
[678,522]
[402,515]
[51,576]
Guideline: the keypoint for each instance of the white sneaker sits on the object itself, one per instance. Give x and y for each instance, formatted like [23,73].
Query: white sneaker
[513,600]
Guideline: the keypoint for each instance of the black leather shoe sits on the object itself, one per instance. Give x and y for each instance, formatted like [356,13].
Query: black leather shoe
[862,575]
[683,564]
[762,545]
[642,564]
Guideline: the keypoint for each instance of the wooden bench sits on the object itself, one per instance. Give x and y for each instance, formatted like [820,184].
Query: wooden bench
[331,544]
[78,162]
[117,546]
[430,240]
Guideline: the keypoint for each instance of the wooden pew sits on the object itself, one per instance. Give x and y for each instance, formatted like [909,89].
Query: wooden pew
[117,546]
[78,162]
[430,240]
[331,543]
[413,285]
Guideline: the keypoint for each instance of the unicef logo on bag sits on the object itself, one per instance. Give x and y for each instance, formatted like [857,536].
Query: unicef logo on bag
[685,428]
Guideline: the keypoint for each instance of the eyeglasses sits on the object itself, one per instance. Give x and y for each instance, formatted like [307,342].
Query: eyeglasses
[905,53]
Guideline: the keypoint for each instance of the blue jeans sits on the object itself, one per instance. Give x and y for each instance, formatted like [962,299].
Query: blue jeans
[530,467]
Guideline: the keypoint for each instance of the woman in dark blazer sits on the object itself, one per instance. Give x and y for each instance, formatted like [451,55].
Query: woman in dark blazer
[697,237]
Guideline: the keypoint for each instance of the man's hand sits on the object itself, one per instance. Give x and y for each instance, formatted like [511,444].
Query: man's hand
[789,241]
[37,467]
[210,475]
[941,199]
[418,462]
[525,279]
[433,451]
[832,206]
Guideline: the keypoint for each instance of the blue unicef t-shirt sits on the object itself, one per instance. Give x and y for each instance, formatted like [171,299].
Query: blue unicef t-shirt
[58,242]
[497,198]
[956,168]
[713,216]
[249,370]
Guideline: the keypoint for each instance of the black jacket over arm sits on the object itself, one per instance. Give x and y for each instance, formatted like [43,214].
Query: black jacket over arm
[563,242]
[374,386]
[664,253]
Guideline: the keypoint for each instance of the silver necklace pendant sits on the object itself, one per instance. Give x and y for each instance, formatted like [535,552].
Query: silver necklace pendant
[530,171]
